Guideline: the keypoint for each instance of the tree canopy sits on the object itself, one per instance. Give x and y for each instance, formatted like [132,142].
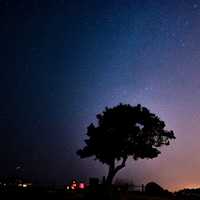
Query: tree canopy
[124,131]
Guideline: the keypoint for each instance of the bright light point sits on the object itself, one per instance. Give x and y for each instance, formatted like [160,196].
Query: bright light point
[81,185]
[25,185]
[72,187]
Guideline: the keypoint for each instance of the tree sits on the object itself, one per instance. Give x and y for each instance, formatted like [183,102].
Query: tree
[124,131]
[153,188]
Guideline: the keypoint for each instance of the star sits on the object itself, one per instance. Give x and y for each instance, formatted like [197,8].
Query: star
[195,5]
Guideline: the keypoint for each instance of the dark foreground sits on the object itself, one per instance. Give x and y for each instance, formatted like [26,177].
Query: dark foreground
[86,195]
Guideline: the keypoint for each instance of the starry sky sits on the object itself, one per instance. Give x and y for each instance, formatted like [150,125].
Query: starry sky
[62,62]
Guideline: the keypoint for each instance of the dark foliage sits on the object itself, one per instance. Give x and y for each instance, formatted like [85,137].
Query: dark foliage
[153,189]
[124,131]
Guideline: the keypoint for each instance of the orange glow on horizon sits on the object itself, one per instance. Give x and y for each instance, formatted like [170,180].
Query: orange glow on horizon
[192,186]
[185,186]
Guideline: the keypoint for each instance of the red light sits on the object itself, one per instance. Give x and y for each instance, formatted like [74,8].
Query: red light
[81,185]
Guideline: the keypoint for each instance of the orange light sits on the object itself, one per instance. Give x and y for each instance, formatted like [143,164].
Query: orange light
[72,187]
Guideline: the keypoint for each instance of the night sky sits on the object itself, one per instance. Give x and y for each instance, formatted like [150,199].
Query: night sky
[62,62]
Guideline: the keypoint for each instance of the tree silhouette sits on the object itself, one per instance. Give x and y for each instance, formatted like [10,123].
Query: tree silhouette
[124,131]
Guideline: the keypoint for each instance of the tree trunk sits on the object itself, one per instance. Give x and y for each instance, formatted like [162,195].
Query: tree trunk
[113,170]
[111,174]
[108,182]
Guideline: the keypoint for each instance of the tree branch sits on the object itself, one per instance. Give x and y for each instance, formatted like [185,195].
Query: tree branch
[122,165]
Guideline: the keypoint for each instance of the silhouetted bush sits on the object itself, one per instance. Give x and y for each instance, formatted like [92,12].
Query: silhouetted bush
[153,189]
